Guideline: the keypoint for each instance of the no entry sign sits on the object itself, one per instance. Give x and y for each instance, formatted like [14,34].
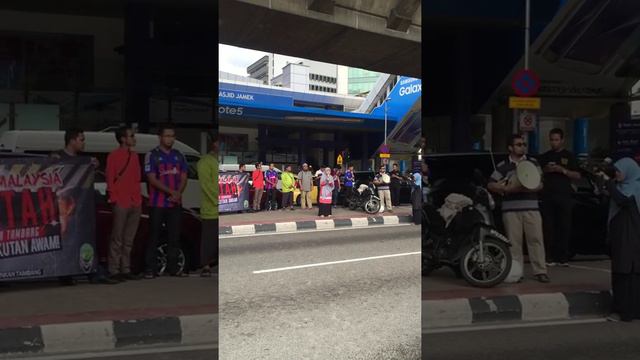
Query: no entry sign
[525,83]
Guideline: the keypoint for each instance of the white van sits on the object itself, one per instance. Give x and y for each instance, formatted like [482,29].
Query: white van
[99,145]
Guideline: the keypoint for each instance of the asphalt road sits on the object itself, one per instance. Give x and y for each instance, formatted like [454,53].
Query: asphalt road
[357,310]
[599,341]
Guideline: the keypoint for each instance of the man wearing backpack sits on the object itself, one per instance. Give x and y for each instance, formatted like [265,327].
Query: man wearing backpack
[123,186]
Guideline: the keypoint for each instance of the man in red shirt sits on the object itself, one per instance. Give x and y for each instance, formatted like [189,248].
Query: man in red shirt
[123,185]
[258,184]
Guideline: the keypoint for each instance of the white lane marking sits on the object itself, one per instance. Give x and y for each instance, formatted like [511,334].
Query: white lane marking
[307,231]
[590,268]
[336,262]
[121,353]
[472,328]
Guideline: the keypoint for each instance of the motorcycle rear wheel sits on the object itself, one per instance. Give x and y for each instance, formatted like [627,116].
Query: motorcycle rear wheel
[490,271]
[372,206]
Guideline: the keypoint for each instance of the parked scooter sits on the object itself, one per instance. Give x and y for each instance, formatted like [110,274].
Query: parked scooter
[470,244]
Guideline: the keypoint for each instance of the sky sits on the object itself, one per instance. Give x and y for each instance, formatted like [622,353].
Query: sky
[235,60]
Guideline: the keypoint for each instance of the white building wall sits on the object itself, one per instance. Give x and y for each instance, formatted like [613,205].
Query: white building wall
[296,77]
[343,80]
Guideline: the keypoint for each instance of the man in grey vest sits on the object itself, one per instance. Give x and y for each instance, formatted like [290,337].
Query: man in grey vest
[520,209]
[305,181]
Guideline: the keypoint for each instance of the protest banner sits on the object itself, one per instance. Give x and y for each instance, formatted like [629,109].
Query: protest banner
[47,218]
[234,191]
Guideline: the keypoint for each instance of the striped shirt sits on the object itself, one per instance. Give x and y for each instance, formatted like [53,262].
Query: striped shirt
[523,201]
[168,168]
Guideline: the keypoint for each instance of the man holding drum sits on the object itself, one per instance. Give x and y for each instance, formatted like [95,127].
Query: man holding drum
[517,179]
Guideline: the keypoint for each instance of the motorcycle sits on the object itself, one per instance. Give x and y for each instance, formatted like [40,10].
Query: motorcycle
[470,244]
[364,197]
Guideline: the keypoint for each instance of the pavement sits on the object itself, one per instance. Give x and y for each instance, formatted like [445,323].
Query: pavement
[338,294]
[287,221]
[549,341]
[582,290]
[47,318]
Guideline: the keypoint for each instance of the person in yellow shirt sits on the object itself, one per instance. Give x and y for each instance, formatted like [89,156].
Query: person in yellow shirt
[208,178]
[288,185]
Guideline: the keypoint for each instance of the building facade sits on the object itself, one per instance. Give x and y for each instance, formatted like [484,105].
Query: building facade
[321,77]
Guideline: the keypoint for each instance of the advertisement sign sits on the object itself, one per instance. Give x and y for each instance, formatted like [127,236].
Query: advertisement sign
[47,218]
[234,191]
[403,96]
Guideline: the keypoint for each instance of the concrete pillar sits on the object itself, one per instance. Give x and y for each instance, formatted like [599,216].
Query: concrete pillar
[461,114]
[325,156]
[501,127]
[302,155]
[365,148]
[262,143]
[137,43]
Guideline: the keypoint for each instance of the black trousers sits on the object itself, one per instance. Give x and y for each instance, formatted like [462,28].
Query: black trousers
[172,217]
[271,199]
[395,194]
[287,199]
[209,242]
[557,214]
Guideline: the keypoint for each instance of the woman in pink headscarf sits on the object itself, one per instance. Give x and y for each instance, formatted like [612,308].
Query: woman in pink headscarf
[326,193]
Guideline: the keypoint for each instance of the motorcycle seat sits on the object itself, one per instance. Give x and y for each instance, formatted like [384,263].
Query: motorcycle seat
[433,220]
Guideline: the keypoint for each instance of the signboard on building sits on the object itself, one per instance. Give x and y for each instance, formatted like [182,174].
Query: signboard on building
[47,218]
[234,191]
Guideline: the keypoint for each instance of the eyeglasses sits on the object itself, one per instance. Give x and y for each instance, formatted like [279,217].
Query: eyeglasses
[520,144]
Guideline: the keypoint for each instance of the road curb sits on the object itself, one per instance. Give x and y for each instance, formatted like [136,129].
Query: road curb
[108,335]
[514,308]
[320,224]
